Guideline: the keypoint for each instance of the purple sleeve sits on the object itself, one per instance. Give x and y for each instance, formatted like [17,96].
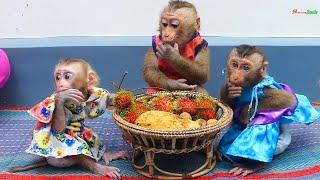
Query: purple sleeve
[154,44]
[270,116]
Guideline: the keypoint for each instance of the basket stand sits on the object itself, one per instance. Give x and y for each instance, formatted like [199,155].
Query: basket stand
[149,168]
[149,144]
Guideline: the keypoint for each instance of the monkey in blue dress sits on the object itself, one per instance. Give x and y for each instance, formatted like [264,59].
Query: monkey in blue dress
[262,110]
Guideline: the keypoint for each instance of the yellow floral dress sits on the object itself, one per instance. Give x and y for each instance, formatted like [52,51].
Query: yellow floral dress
[77,138]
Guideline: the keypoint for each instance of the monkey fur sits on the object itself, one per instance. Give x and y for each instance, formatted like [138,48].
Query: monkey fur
[243,75]
[261,107]
[195,72]
[75,82]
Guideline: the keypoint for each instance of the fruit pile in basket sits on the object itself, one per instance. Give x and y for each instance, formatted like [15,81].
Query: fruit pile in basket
[166,111]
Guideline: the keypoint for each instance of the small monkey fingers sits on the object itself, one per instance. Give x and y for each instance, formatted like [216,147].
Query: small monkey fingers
[113,172]
[180,84]
[239,171]
[69,94]
[243,171]
[234,91]
[167,52]
[110,156]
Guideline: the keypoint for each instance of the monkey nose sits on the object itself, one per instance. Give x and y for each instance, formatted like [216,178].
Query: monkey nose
[234,81]
[166,36]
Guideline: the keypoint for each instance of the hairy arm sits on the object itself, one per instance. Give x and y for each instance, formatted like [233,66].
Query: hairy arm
[59,118]
[197,71]
[275,99]
[154,77]
[151,74]
[224,97]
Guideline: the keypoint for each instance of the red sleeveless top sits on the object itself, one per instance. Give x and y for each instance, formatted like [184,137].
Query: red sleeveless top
[189,52]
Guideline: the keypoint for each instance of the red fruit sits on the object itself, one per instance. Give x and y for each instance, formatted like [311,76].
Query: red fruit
[123,99]
[164,104]
[131,117]
[207,114]
[187,105]
[205,104]
[140,107]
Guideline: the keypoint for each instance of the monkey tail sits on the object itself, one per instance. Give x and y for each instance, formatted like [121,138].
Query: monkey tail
[28,167]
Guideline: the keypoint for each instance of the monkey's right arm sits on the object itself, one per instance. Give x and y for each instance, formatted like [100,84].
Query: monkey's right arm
[155,78]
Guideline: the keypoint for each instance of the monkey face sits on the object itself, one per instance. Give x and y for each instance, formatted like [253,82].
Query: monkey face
[243,72]
[170,24]
[70,76]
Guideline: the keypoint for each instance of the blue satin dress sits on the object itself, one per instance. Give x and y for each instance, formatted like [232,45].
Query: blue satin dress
[258,140]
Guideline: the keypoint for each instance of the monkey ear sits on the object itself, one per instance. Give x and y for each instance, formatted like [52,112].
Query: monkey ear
[198,23]
[263,69]
[92,78]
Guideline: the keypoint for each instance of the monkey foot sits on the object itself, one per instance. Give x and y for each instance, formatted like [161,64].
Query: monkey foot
[244,171]
[112,172]
[110,156]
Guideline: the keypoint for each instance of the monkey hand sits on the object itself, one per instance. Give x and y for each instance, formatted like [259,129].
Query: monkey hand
[233,91]
[68,94]
[180,84]
[90,89]
[110,101]
[167,52]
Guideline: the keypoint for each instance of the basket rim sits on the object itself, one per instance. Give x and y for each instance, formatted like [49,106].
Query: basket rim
[223,121]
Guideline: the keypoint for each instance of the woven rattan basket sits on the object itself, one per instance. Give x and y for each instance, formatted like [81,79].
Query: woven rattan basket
[150,142]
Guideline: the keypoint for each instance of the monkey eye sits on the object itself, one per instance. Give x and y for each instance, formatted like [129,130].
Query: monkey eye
[234,65]
[67,76]
[58,77]
[164,24]
[174,23]
[246,67]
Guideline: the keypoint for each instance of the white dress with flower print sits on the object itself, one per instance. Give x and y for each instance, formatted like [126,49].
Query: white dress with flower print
[77,138]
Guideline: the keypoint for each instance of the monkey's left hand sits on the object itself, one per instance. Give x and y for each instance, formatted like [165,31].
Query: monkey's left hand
[167,52]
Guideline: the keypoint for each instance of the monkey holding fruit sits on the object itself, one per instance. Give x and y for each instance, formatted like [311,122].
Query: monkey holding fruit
[261,107]
[180,56]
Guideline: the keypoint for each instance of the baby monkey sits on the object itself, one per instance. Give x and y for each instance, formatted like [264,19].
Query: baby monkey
[261,107]
[60,134]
